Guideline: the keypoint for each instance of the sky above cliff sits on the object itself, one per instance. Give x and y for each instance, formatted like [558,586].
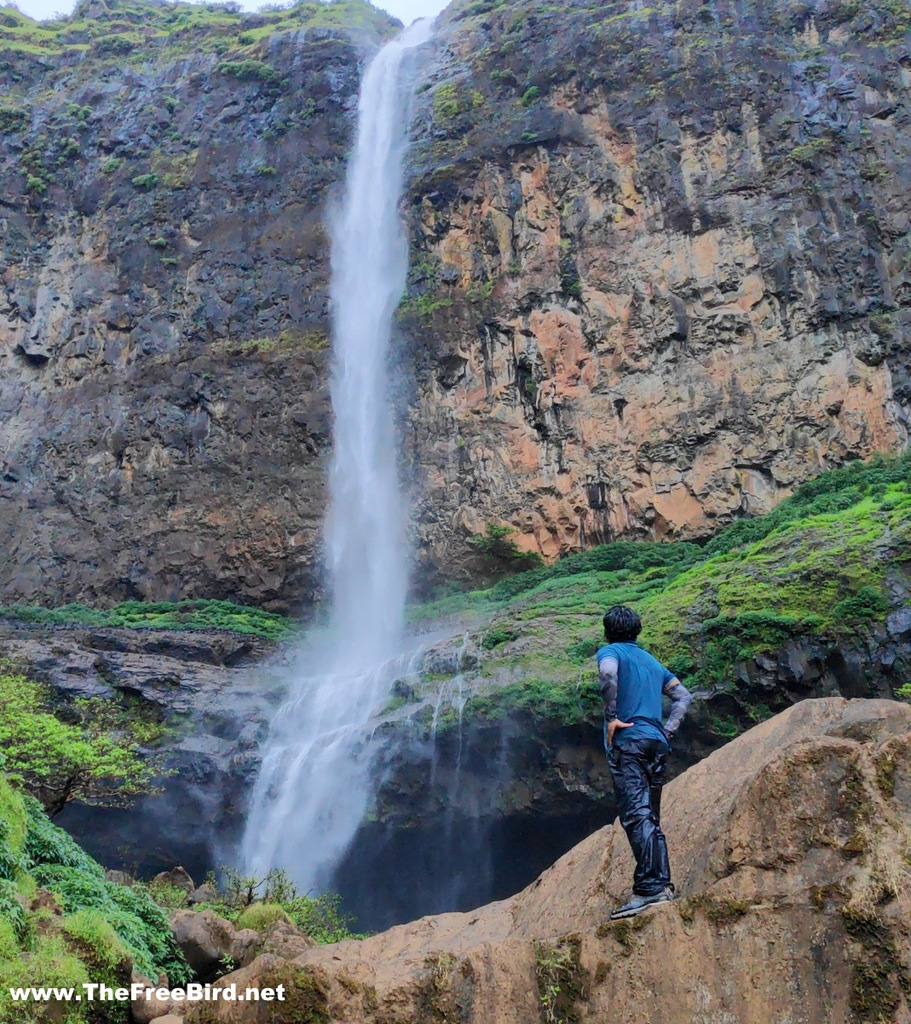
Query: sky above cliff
[406,10]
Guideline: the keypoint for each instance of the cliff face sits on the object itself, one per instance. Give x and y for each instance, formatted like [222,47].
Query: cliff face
[659,275]
[163,291]
[661,268]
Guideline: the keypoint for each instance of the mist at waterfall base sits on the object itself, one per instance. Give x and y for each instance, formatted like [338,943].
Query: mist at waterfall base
[313,788]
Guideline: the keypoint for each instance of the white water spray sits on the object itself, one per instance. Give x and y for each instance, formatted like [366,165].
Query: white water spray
[313,787]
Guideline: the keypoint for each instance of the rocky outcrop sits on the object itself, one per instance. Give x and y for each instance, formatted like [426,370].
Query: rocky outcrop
[209,942]
[208,695]
[660,268]
[483,803]
[786,848]
[477,807]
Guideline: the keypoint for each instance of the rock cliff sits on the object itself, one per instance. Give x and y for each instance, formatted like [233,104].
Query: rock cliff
[661,260]
[789,847]
[163,296]
[659,276]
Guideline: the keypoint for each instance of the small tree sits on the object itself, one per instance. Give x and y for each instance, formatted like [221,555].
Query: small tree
[497,544]
[95,759]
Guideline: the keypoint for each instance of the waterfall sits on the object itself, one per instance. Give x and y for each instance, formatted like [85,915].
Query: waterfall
[313,788]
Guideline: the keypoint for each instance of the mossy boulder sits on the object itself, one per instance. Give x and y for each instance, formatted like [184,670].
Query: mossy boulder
[260,915]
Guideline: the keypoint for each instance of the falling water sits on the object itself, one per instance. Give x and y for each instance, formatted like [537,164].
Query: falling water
[313,787]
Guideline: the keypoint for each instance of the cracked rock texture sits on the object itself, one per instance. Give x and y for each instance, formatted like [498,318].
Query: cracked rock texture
[661,264]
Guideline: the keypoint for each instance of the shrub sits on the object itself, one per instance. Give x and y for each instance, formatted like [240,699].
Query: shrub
[96,941]
[497,636]
[50,964]
[498,545]
[92,760]
[12,119]
[259,916]
[530,95]
[113,46]
[868,604]
[145,182]
[253,71]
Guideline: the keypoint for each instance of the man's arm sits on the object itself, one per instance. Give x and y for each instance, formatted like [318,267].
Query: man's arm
[608,669]
[608,673]
[680,701]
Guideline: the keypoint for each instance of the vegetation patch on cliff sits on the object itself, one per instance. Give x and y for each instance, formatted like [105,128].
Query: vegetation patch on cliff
[122,29]
[200,614]
[819,566]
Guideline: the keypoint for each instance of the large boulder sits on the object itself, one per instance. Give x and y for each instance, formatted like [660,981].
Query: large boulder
[206,940]
[789,849]
[176,878]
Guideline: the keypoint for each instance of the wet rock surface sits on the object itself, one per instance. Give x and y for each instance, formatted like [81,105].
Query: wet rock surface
[477,810]
[213,694]
[163,317]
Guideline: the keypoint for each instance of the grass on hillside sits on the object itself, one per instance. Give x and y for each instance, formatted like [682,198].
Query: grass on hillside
[128,25]
[100,927]
[818,565]
[194,614]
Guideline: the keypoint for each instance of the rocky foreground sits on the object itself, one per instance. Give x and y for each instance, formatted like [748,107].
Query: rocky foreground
[790,849]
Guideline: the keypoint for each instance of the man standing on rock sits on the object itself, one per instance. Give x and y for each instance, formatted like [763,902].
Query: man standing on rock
[632,682]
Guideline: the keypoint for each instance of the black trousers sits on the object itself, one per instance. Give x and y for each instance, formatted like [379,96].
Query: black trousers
[638,769]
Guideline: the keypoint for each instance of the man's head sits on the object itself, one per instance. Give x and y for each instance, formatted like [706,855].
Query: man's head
[621,625]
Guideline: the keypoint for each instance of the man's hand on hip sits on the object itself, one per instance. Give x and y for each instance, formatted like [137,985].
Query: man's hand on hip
[613,726]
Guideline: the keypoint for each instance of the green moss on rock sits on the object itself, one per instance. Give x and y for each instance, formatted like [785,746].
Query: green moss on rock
[259,916]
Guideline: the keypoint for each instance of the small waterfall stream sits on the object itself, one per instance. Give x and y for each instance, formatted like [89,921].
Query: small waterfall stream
[314,787]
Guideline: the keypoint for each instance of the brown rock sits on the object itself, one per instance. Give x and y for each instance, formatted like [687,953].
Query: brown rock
[281,939]
[204,893]
[168,1018]
[244,947]
[305,991]
[144,1011]
[177,877]
[205,939]
[795,902]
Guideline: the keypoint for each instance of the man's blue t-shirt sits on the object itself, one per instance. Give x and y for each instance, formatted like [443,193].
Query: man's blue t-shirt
[641,680]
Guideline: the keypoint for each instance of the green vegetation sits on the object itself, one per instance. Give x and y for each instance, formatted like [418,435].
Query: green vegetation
[253,71]
[124,28]
[502,550]
[12,119]
[95,759]
[446,106]
[808,153]
[562,981]
[253,902]
[193,614]
[94,930]
[145,182]
[816,565]
[288,340]
[530,95]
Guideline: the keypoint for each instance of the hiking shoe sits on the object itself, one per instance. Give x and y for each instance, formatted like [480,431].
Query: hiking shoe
[639,903]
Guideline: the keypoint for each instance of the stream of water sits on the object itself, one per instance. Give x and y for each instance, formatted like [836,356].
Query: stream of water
[313,788]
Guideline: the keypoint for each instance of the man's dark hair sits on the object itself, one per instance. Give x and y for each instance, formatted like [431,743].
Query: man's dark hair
[621,625]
